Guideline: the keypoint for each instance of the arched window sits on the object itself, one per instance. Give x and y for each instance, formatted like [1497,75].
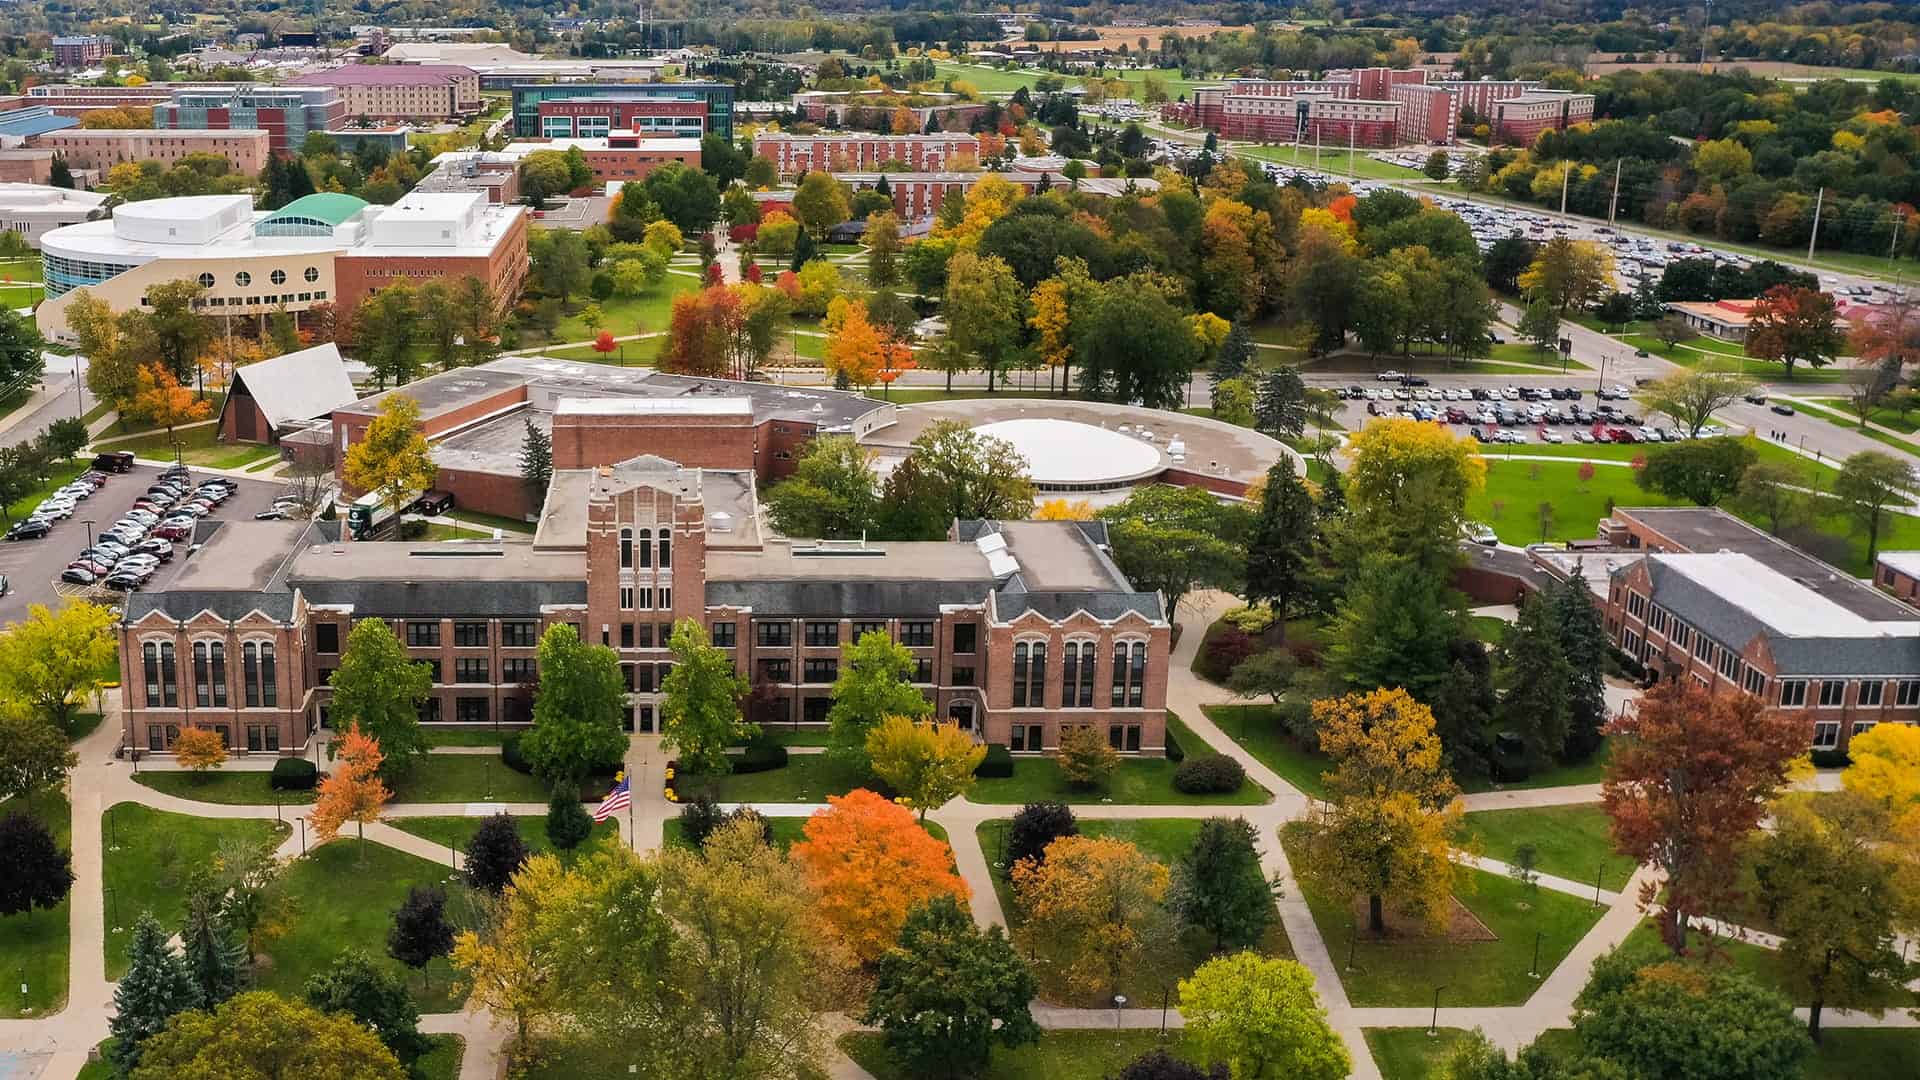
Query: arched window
[646,547]
[210,674]
[666,549]
[1029,674]
[626,549]
[257,675]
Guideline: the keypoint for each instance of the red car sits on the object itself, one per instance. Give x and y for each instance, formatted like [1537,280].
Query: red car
[1622,435]
[173,532]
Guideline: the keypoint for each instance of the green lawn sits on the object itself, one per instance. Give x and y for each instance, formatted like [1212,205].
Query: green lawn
[1257,728]
[1338,162]
[1591,771]
[625,315]
[1147,781]
[1515,489]
[1059,1055]
[1819,473]
[1763,964]
[806,778]
[1522,352]
[197,445]
[437,778]
[465,736]
[347,892]
[219,786]
[1853,1053]
[787,831]
[1845,419]
[492,521]
[1568,841]
[1411,1053]
[147,859]
[442,1059]
[59,476]
[34,944]
[455,832]
[1883,416]
[1402,971]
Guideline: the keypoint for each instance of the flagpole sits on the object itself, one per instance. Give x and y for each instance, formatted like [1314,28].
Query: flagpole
[633,844]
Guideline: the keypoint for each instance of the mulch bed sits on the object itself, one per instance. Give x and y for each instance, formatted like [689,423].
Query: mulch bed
[1462,924]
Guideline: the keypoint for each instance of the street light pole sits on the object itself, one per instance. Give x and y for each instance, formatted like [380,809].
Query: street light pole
[1433,1026]
[1533,972]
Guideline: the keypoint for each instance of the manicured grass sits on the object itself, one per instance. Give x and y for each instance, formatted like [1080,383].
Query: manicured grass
[1852,1053]
[86,723]
[1147,781]
[442,1059]
[1883,416]
[787,831]
[625,315]
[456,832]
[347,892]
[437,778]
[1334,162]
[1591,771]
[34,944]
[1846,420]
[492,521]
[59,476]
[1411,1053]
[642,352]
[1519,487]
[1819,474]
[785,736]
[1763,964]
[155,852]
[219,786]
[1523,352]
[1490,629]
[1059,1055]
[197,446]
[1568,841]
[806,778]
[465,736]
[1402,971]
[1257,728]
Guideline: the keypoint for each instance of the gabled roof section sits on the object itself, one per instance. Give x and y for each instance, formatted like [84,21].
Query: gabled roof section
[299,385]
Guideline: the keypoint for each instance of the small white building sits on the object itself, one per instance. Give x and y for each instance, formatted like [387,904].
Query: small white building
[33,209]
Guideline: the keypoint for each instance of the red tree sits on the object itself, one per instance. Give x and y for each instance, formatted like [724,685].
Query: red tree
[1690,773]
[1792,325]
[604,344]
[715,275]
[753,273]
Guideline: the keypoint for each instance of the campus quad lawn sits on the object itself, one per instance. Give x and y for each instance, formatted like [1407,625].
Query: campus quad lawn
[156,850]
[1568,841]
[1402,971]
[1142,780]
[1885,417]
[34,944]
[1763,964]
[624,315]
[442,1059]
[436,778]
[1851,1053]
[347,892]
[197,446]
[1059,1055]
[1845,419]
[250,788]
[806,778]
[1410,1053]
[464,736]
[1521,486]
[1257,728]
[455,833]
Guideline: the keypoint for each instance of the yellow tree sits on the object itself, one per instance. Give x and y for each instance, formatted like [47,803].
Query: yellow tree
[1569,273]
[927,762]
[392,458]
[855,348]
[987,202]
[1393,815]
[160,399]
[199,749]
[903,121]
[1052,326]
[1093,907]
[1063,510]
[54,660]
[224,354]
[353,791]
[1886,770]
[514,968]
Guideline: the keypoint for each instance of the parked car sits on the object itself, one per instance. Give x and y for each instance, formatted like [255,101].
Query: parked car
[155,546]
[174,531]
[1756,397]
[1783,408]
[77,576]
[117,461]
[28,530]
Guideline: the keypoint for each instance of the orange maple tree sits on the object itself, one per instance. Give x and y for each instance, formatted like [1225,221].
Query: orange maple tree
[1687,784]
[604,343]
[159,398]
[353,790]
[868,863]
[199,749]
[855,346]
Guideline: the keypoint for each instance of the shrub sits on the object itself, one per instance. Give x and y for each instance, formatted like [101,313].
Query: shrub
[997,764]
[1035,826]
[699,818]
[760,757]
[1222,650]
[1831,759]
[1250,619]
[294,774]
[1085,757]
[568,823]
[495,854]
[511,756]
[1209,774]
[1175,752]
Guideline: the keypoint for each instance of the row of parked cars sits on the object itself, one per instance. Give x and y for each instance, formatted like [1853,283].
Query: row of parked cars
[61,503]
[130,551]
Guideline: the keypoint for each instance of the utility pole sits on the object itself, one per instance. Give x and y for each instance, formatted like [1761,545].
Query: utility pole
[1349,151]
[1566,174]
[1815,238]
[1895,245]
[1613,204]
[1706,27]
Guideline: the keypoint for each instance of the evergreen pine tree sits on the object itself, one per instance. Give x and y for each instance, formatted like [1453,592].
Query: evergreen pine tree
[155,987]
[536,465]
[1463,704]
[803,250]
[1280,403]
[568,822]
[1583,642]
[1236,355]
[215,957]
[881,187]
[1218,887]
[1280,553]
[1534,675]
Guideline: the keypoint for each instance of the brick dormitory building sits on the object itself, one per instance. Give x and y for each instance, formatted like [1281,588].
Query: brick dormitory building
[1018,629]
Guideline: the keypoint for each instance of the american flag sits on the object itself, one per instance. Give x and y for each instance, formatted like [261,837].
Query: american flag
[617,800]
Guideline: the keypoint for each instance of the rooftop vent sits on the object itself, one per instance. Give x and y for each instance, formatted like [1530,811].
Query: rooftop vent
[720,522]
[462,553]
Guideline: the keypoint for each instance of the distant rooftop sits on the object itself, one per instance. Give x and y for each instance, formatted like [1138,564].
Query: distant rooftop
[384,75]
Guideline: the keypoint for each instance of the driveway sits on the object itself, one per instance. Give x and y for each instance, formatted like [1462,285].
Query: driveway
[32,567]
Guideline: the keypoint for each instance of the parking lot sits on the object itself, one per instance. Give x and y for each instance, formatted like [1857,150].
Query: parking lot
[32,567]
[1513,412]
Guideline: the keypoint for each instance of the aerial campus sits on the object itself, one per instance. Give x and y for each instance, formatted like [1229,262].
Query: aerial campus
[1090,543]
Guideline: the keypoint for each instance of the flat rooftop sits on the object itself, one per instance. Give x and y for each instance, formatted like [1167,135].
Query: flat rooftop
[1056,558]
[1704,530]
[238,556]
[1784,604]
[849,560]
[733,519]
[443,393]
[407,562]
[1904,562]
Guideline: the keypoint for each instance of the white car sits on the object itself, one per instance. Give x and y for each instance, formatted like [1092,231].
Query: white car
[1552,437]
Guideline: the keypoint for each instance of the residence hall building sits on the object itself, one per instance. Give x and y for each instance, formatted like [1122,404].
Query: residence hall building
[859,152]
[401,91]
[326,248]
[246,149]
[1388,107]
[595,108]
[919,195]
[288,113]
[72,51]
[1019,630]
[1520,120]
[1716,600]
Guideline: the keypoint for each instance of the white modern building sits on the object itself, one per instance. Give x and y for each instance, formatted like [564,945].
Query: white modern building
[34,209]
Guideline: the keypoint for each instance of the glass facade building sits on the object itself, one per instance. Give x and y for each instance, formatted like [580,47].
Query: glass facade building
[718,98]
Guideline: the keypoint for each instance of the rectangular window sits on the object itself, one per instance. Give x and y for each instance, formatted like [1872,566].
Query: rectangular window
[520,670]
[1137,676]
[643,635]
[862,629]
[917,635]
[1037,676]
[776,670]
[1729,663]
[471,669]
[1906,693]
[1833,693]
[663,599]
[150,668]
[1872,692]
[1826,735]
[1861,727]
[626,549]
[776,635]
[1123,736]
[1087,653]
[1026,737]
[1793,693]
[520,634]
[722,635]
[423,635]
[469,635]
[470,710]
[821,671]
[823,633]
[1681,634]
[966,637]
[262,738]
[923,669]
[1754,681]
[666,550]
[626,635]
[326,637]
[250,675]
[664,633]
[1119,674]
[429,710]
[963,675]
[626,598]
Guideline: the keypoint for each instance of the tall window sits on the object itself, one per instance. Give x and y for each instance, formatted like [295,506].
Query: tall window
[209,673]
[1119,674]
[1129,674]
[666,549]
[150,667]
[1020,663]
[646,548]
[1030,674]
[626,549]
[1076,675]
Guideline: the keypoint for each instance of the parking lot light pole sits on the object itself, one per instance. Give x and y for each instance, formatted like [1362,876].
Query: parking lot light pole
[88,522]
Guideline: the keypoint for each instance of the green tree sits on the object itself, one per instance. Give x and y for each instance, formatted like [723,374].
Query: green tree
[1218,886]
[536,465]
[966,475]
[568,822]
[833,494]
[1260,1017]
[927,762]
[1280,407]
[1437,166]
[1176,539]
[1395,626]
[1773,492]
[216,960]
[543,175]
[392,458]
[1703,470]
[1235,355]
[237,1037]
[1583,643]
[949,992]
[381,687]
[982,307]
[373,996]
[1233,402]
[579,710]
[1134,345]
[819,204]
[700,715]
[1871,483]
[33,755]
[1534,677]
[1540,324]
[1692,395]
[560,262]
[251,899]
[1280,549]
[180,333]
[875,682]
[383,328]
[1699,1022]
[154,990]
[882,239]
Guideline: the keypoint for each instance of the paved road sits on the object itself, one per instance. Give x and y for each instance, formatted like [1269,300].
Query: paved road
[32,566]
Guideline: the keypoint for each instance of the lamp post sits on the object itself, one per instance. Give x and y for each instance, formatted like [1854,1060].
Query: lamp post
[1119,1003]
[1433,1026]
[113,908]
[1533,972]
[303,834]
[1597,875]
[88,522]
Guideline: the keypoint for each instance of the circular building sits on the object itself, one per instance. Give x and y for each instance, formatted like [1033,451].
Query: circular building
[1067,455]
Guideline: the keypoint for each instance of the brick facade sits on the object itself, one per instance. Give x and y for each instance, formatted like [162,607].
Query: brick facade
[245,150]
[358,272]
[856,152]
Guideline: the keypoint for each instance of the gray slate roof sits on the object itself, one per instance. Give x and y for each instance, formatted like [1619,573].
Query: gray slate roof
[1725,622]
[1105,606]
[851,599]
[448,599]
